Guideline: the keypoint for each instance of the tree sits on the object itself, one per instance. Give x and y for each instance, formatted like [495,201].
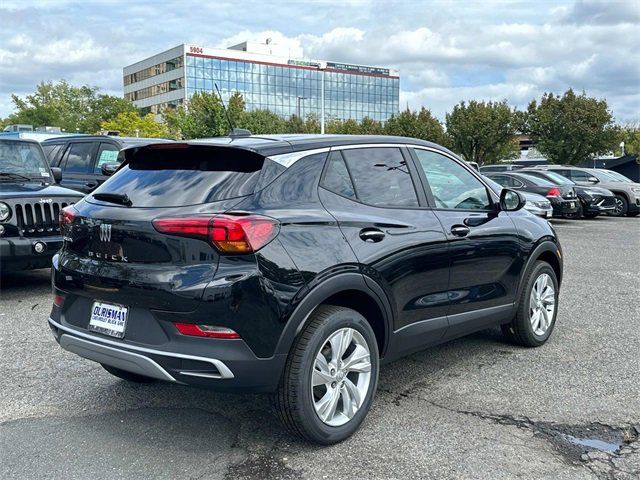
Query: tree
[203,117]
[131,124]
[71,108]
[422,125]
[571,128]
[262,122]
[630,135]
[483,132]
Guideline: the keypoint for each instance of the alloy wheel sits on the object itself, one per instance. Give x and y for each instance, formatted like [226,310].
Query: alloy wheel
[542,304]
[341,377]
[618,207]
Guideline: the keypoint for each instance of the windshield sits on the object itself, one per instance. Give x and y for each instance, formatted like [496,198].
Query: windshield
[618,177]
[23,158]
[540,182]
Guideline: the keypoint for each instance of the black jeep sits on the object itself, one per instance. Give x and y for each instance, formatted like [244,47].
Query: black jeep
[30,204]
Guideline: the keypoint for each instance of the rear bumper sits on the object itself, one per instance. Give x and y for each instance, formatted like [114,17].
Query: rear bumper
[20,253]
[562,207]
[225,365]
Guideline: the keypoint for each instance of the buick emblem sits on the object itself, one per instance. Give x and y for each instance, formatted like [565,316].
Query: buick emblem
[105,232]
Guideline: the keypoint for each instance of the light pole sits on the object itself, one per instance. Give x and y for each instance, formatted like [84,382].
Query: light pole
[322,68]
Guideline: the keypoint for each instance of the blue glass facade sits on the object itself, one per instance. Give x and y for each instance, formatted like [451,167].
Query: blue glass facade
[290,89]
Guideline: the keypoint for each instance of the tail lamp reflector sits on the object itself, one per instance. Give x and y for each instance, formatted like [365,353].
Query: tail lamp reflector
[58,300]
[67,216]
[209,331]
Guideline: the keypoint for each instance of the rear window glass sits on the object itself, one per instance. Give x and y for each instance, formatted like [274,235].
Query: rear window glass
[170,177]
[540,182]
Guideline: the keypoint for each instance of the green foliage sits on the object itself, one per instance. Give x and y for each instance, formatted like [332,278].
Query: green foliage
[343,127]
[483,132]
[422,125]
[73,109]
[630,135]
[570,129]
[262,122]
[203,118]
[131,124]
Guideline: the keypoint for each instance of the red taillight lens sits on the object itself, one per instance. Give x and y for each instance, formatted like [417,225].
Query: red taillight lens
[554,192]
[228,233]
[209,331]
[58,300]
[67,216]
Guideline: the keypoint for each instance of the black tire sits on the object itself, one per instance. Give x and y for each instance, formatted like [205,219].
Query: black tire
[591,215]
[622,207]
[574,216]
[293,400]
[520,330]
[128,376]
[632,214]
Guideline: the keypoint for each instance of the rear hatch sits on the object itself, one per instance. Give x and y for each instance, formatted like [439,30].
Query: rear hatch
[113,250]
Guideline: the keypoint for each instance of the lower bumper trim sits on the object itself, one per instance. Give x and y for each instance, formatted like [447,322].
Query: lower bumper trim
[128,361]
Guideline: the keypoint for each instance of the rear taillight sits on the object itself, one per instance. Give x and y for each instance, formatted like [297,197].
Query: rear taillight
[228,233]
[209,331]
[58,300]
[67,216]
[554,192]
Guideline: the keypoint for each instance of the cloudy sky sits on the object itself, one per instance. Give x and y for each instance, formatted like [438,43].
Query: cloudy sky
[445,50]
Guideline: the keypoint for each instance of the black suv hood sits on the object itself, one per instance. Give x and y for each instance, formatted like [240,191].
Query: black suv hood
[29,189]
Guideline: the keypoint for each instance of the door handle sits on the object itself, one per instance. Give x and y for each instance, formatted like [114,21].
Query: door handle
[460,230]
[371,235]
[91,185]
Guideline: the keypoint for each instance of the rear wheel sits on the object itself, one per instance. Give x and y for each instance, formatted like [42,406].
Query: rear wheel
[330,376]
[128,376]
[537,308]
[621,206]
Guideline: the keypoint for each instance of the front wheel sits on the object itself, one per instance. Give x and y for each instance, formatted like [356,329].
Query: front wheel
[620,206]
[330,377]
[537,308]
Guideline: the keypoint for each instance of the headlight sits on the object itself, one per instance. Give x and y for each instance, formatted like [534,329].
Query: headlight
[5,212]
[635,190]
[543,204]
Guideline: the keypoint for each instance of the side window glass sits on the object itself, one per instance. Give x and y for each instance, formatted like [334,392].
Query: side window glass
[452,185]
[51,152]
[337,178]
[579,176]
[108,153]
[381,177]
[517,183]
[79,158]
[500,179]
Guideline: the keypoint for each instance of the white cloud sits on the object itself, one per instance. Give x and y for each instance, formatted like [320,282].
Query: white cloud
[444,51]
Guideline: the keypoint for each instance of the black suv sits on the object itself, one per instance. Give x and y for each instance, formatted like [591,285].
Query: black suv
[296,265]
[87,160]
[30,204]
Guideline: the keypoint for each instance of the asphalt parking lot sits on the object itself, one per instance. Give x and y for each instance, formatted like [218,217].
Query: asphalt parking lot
[473,408]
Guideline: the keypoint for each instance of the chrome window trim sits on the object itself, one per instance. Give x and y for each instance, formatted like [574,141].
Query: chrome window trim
[288,159]
[222,368]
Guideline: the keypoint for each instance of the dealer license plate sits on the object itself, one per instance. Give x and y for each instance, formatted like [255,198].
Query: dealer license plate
[109,319]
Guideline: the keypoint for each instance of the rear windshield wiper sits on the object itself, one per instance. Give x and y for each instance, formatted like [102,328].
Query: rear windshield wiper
[14,176]
[120,198]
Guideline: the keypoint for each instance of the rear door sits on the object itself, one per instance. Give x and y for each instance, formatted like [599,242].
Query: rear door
[375,195]
[484,251]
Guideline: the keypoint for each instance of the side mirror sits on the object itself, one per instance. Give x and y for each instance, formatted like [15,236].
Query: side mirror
[593,180]
[57,174]
[109,169]
[510,200]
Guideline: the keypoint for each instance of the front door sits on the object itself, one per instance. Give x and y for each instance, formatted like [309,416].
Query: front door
[484,251]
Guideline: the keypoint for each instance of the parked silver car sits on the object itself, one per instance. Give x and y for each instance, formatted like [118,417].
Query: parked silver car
[627,193]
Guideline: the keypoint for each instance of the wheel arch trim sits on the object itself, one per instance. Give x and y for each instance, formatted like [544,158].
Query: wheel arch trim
[329,287]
